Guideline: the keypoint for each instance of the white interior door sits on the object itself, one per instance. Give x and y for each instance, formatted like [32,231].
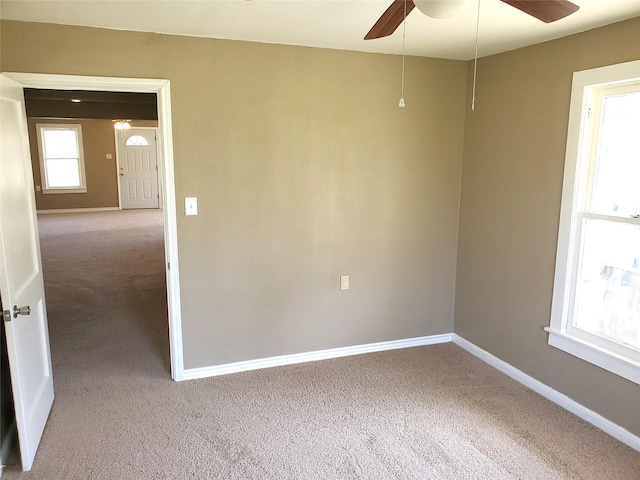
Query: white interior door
[138,168]
[21,283]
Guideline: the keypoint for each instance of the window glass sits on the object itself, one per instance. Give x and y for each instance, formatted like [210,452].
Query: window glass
[608,287]
[60,144]
[63,173]
[61,160]
[616,187]
[136,141]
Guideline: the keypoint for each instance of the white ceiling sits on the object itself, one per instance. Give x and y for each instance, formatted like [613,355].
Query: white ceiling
[337,24]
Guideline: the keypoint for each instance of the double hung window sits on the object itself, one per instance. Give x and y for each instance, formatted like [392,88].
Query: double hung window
[596,301]
[61,158]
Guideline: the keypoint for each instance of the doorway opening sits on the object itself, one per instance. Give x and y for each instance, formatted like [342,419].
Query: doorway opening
[161,89]
[100,228]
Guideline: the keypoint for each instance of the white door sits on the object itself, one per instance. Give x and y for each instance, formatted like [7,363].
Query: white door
[21,283]
[138,164]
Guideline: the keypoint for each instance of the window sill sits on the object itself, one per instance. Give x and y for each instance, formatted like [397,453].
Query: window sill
[613,362]
[48,191]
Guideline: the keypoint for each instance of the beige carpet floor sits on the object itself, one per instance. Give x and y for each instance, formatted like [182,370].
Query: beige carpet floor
[431,412]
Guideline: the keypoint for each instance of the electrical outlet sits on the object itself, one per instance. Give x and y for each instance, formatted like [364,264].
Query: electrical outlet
[344,282]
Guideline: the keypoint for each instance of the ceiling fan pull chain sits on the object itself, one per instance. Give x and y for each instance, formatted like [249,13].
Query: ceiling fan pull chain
[475,61]
[404,30]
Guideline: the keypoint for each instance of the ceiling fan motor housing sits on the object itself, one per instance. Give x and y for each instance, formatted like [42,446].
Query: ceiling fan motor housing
[440,8]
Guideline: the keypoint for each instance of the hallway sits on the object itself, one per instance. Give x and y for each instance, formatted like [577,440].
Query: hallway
[106,294]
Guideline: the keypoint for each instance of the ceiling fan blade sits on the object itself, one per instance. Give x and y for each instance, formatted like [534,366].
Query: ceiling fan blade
[546,10]
[390,19]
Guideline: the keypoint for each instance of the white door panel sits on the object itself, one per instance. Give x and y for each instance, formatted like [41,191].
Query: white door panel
[138,168]
[21,282]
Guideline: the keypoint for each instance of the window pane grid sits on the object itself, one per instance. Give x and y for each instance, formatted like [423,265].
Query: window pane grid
[136,141]
[61,159]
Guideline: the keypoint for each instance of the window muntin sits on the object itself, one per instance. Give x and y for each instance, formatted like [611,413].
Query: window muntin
[596,302]
[61,158]
[136,141]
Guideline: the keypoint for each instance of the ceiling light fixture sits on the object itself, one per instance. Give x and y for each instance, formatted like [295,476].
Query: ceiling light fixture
[76,100]
[122,124]
[440,8]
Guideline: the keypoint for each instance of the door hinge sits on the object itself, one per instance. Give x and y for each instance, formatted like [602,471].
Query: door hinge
[168,265]
[6,314]
[589,112]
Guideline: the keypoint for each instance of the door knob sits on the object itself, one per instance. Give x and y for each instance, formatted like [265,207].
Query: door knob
[21,311]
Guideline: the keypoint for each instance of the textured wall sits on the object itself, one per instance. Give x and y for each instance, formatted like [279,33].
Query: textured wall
[305,169]
[510,206]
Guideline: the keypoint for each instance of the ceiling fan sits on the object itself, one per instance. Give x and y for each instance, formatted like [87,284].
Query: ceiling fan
[545,10]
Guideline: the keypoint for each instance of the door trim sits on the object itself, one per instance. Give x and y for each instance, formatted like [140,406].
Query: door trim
[164,145]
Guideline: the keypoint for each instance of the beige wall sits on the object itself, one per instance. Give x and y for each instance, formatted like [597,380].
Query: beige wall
[305,169]
[98,140]
[510,206]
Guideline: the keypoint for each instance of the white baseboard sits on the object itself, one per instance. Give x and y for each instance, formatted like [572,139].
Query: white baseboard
[203,372]
[549,393]
[78,210]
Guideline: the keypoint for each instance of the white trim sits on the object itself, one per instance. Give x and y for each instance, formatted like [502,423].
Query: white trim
[115,139]
[609,74]
[203,372]
[164,144]
[549,393]
[77,210]
[161,87]
[77,128]
[621,365]
[79,82]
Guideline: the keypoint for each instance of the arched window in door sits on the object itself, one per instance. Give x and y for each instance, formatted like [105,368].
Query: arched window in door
[136,141]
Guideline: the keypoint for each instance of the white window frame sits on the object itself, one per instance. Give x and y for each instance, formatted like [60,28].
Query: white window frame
[599,351]
[46,189]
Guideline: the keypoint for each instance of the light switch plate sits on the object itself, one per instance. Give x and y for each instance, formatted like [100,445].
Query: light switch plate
[191,206]
[344,282]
